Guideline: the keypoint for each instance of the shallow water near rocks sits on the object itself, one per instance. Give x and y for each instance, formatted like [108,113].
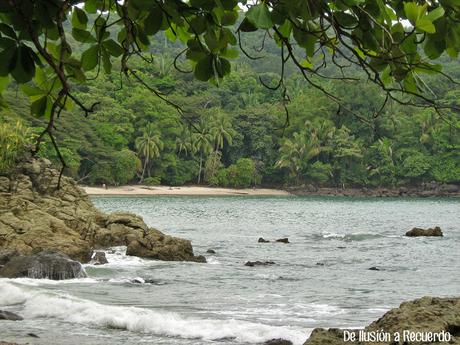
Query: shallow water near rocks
[320,279]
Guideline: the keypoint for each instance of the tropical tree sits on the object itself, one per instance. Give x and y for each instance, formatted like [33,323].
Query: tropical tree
[347,154]
[202,143]
[184,142]
[296,153]
[222,131]
[52,46]
[149,146]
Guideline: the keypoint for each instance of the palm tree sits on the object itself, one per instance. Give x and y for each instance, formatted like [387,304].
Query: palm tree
[296,153]
[184,142]
[202,143]
[222,131]
[148,146]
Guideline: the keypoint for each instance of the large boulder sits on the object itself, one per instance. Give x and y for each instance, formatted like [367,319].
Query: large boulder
[35,216]
[416,232]
[44,265]
[427,314]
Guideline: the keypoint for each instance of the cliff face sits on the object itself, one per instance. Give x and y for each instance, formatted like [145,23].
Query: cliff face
[35,216]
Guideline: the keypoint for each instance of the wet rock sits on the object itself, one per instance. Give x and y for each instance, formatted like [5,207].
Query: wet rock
[156,245]
[427,314]
[283,240]
[373,268]
[278,342]
[7,315]
[259,263]
[320,264]
[211,251]
[416,232]
[6,255]
[44,265]
[99,258]
[33,335]
[262,240]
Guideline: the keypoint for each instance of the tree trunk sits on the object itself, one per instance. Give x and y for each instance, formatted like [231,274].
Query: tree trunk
[201,166]
[143,169]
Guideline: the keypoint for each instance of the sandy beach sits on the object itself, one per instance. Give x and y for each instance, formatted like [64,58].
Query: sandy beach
[183,190]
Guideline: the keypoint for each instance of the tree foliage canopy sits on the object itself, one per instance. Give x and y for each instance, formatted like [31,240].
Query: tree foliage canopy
[53,47]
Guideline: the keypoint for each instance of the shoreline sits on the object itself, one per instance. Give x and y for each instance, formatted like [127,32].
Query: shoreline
[135,190]
[141,190]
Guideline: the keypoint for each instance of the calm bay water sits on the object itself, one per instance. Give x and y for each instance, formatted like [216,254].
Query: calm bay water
[320,279]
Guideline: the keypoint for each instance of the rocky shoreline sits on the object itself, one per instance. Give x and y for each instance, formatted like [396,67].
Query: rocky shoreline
[427,190]
[37,217]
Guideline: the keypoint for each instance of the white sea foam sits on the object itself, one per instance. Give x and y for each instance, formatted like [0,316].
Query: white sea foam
[43,304]
[116,257]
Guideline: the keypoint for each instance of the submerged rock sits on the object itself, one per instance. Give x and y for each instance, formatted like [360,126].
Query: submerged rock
[35,216]
[258,263]
[99,258]
[7,315]
[283,240]
[373,268]
[416,232]
[262,240]
[211,251]
[44,265]
[427,314]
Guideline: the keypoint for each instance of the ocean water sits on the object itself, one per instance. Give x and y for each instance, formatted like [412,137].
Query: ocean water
[320,279]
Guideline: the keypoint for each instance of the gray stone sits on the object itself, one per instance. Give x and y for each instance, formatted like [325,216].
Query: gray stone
[7,315]
[44,265]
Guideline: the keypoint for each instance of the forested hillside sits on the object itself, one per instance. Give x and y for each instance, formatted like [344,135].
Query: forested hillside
[238,134]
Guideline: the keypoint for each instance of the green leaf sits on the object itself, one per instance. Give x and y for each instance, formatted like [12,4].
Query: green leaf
[152,23]
[142,4]
[425,25]
[247,26]
[260,16]
[223,67]
[8,30]
[345,20]
[305,40]
[79,18]
[24,69]
[435,14]
[434,47]
[113,47]
[106,64]
[7,57]
[204,69]
[82,36]
[90,58]
[38,107]
[412,11]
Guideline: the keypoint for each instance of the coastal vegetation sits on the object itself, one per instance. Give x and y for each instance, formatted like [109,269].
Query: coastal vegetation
[264,123]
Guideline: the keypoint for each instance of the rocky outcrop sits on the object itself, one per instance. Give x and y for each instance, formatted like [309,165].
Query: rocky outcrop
[262,240]
[283,240]
[416,232]
[258,263]
[35,216]
[278,342]
[44,265]
[99,258]
[7,315]
[431,189]
[427,314]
